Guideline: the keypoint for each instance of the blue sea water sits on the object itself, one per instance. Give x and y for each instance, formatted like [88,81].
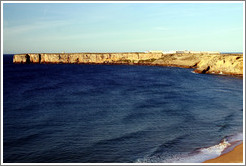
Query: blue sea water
[66,113]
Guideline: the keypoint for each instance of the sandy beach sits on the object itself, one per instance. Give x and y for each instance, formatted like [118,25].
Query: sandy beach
[234,156]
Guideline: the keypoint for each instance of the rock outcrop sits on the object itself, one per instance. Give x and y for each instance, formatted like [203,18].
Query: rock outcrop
[231,64]
[225,64]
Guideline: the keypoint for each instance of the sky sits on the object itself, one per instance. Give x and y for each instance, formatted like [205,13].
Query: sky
[121,27]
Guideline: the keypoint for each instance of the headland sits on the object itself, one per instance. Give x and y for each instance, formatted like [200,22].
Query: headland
[202,62]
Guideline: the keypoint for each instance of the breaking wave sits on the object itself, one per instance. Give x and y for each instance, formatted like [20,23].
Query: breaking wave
[199,155]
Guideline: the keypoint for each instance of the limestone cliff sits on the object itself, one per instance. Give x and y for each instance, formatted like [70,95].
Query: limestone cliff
[221,65]
[214,64]
[231,64]
[85,57]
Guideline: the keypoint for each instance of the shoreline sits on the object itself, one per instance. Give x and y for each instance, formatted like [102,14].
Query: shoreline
[234,156]
[229,64]
[146,64]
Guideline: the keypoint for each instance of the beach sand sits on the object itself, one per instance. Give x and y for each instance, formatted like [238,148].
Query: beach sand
[234,156]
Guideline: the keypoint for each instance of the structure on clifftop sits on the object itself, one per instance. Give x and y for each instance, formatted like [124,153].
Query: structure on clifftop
[198,52]
[185,52]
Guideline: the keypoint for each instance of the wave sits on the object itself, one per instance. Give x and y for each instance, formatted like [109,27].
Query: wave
[193,72]
[200,155]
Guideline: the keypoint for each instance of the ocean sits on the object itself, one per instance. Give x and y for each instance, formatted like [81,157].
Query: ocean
[70,113]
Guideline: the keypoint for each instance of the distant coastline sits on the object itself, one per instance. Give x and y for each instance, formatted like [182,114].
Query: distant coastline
[202,62]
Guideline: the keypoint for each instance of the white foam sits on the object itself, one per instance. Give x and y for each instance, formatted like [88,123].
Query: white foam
[202,154]
[194,72]
[198,158]
[216,149]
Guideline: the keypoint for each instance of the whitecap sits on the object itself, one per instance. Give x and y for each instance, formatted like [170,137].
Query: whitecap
[199,155]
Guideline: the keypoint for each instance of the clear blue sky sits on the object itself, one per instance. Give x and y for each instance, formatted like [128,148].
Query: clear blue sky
[117,27]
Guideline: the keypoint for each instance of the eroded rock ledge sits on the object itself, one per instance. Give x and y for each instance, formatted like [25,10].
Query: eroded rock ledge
[231,64]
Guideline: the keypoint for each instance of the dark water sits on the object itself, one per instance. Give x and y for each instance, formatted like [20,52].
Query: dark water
[114,113]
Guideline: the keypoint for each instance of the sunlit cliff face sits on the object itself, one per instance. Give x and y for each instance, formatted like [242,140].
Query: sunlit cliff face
[209,63]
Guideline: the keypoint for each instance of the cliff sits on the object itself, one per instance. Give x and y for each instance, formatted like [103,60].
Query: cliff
[231,64]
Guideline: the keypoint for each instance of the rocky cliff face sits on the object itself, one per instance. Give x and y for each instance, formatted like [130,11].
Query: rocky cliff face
[221,65]
[84,57]
[213,64]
